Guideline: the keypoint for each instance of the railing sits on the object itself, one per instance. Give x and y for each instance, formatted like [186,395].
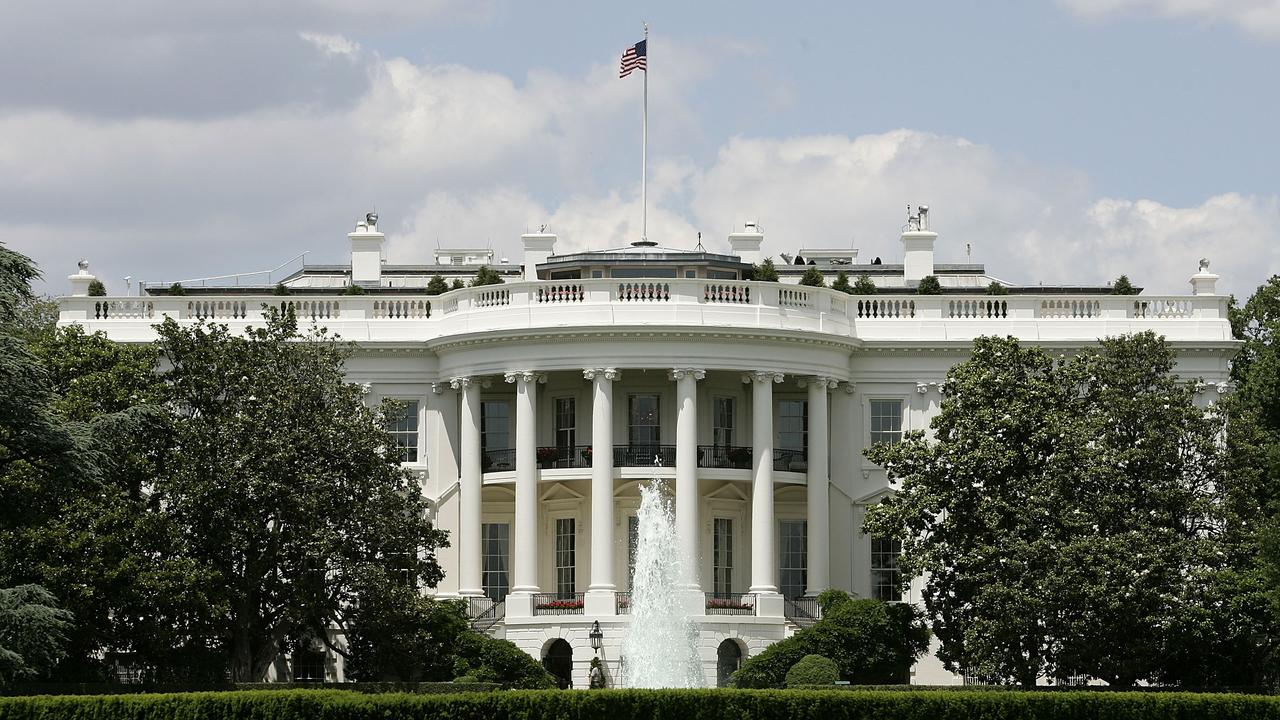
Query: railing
[622,603]
[790,461]
[644,292]
[794,297]
[485,612]
[577,456]
[1070,308]
[978,308]
[1163,308]
[730,604]
[873,308]
[724,456]
[802,611]
[122,309]
[498,460]
[735,293]
[557,604]
[396,309]
[644,455]
[561,293]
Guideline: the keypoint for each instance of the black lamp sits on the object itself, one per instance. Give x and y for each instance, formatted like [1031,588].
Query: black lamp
[597,637]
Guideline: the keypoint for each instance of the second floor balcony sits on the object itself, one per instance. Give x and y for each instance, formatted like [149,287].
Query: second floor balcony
[735,457]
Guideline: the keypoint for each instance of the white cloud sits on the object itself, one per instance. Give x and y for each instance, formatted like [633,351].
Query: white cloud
[331,44]
[1260,18]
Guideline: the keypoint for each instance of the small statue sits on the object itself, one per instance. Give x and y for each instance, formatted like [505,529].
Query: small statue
[1204,264]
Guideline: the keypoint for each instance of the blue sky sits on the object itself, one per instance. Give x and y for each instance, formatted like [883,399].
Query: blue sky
[1065,142]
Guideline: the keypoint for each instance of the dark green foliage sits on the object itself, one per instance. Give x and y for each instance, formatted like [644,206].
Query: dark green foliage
[842,283]
[870,642]
[929,285]
[996,288]
[765,271]
[280,289]
[486,276]
[32,632]
[437,286]
[647,704]
[97,289]
[457,284]
[864,285]
[813,670]
[491,660]
[398,634]
[1122,286]
[177,289]
[354,289]
[813,277]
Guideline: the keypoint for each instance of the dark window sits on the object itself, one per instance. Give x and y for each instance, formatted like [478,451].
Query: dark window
[495,425]
[723,422]
[308,666]
[642,272]
[886,579]
[792,557]
[566,550]
[728,660]
[405,431]
[566,275]
[642,426]
[886,421]
[496,541]
[566,424]
[793,425]
[722,557]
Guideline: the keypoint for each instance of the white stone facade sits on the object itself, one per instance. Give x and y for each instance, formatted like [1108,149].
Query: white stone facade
[756,399]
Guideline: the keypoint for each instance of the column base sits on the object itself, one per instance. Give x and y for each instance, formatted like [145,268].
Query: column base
[470,593]
[600,602]
[519,604]
[769,604]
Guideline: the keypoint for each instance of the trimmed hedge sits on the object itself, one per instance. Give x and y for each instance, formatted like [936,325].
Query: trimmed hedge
[103,688]
[813,670]
[655,704]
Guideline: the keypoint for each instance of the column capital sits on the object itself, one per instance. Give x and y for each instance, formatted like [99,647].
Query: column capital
[761,376]
[438,387]
[464,381]
[850,387]
[526,376]
[681,373]
[829,383]
[605,373]
[925,387]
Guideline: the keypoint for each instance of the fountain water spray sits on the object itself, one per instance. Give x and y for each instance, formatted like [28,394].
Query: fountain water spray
[660,650]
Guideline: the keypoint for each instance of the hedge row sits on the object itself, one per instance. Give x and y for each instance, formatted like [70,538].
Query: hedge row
[647,704]
[104,688]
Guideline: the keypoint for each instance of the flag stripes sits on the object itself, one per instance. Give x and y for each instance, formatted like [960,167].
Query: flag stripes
[634,58]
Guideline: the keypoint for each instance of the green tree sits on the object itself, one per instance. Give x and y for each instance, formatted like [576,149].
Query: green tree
[765,271]
[1122,286]
[486,275]
[489,659]
[177,289]
[929,285]
[97,289]
[842,283]
[32,632]
[286,487]
[457,284]
[398,634]
[864,285]
[996,288]
[353,289]
[437,286]
[813,277]
[280,289]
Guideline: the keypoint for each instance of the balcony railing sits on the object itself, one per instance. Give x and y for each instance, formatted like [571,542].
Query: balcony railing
[790,461]
[579,456]
[802,611]
[485,612]
[498,460]
[730,604]
[557,604]
[724,456]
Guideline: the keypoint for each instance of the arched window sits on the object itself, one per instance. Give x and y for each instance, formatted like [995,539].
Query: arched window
[558,661]
[728,660]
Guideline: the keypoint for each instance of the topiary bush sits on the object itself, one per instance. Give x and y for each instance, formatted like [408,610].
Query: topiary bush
[1122,286]
[486,276]
[437,286]
[842,283]
[491,660]
[97,289]
[996,288]
[765,271]
[813,277]
[929,285]
[813,670]
[864,285]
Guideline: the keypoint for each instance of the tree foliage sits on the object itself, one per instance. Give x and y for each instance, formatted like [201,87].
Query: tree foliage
[813,670]
[812,277]
[97,289]
[764,271]
[864,285]
[841,283]
[32,632]
[1122,286]
[398,634]
[996,288]
[486,275]
[437,286]
[929,285]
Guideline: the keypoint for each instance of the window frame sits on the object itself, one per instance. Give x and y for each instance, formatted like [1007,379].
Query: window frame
[872,432]
[409,454]
[486,433]
[557,429]
[485,570]
[802,552]
[572,551]
[657,419]
[886,591]
[724,435]
[722,572]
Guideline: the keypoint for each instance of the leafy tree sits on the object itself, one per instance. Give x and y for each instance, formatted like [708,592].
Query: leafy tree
[398,634]
[765,271]
[491,660]
[864,285]
[1058,510]
[486,275]
[286,488]
[437,286]
[280,289]
[929,285]
[1122,286]
[870,642]
[457,284]
[177,289]
[97,289]
[995,288]
[813,670]
[813,277]
[32,632]
[353,289]
[842,283]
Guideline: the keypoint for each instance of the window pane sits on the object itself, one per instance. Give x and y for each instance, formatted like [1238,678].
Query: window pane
[722,422]
[642,427]
[792,557]
[886,579]
[886,421]
[405,432]
[496,543]
[566,423]
[495,425]
[793,425]
[722,557]
[566,580]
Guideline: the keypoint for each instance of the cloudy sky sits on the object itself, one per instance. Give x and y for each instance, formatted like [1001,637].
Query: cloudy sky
[1064,142]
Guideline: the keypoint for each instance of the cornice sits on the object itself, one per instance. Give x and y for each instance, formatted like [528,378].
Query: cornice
[778,336]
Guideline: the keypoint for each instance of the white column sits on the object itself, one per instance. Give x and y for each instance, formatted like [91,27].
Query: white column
[687,469]
[600,593]
[764,558]
[525,540]
[470,482]
[817,491]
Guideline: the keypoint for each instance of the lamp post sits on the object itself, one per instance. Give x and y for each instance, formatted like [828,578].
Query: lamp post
[597,637]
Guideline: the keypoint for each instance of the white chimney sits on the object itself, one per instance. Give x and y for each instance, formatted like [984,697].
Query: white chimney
[917,247]
[538,247]
[1204,282]
[366,251]
[80,281]
[746,244]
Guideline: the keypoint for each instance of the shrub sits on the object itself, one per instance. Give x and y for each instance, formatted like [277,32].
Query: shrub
[354,289]
[281,289]
[929,285]
[865,285]
[842,283]
[457,284]
[996,288]
[486,276]
[437,286]
[765,271]
[813,670]
[1122,286]
[492,660]
[813,277]
[871,642]
[177,289]
[97,289]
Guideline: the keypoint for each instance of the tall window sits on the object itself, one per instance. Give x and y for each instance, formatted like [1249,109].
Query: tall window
[886,421]
[495,425]
[792,557]
[793,425]
[642,416]
[633,544]
[566,546]
[566,424]
[496,540]
[886,579]
[308,665]
[405,432]
[722,557]
[722,422]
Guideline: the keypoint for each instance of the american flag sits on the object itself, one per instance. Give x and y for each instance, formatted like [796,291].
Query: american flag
[634,58]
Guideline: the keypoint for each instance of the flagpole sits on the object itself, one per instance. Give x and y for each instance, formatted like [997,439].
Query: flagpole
[644,148]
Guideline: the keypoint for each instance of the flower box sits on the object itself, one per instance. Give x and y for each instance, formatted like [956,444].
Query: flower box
[560,605]
[727,604]
[548,455]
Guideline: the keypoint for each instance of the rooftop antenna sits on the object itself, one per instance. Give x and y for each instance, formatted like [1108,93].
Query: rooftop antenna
[700,248]
[968,252]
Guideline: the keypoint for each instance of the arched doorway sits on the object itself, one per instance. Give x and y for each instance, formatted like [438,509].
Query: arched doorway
[558,661]
[728,660]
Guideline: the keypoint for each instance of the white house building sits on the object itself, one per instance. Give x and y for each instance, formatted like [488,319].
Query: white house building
[538,406]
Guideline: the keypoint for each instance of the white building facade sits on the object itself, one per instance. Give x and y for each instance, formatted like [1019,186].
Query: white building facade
[538,406]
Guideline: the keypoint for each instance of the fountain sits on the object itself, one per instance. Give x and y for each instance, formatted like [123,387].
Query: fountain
[660,650]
